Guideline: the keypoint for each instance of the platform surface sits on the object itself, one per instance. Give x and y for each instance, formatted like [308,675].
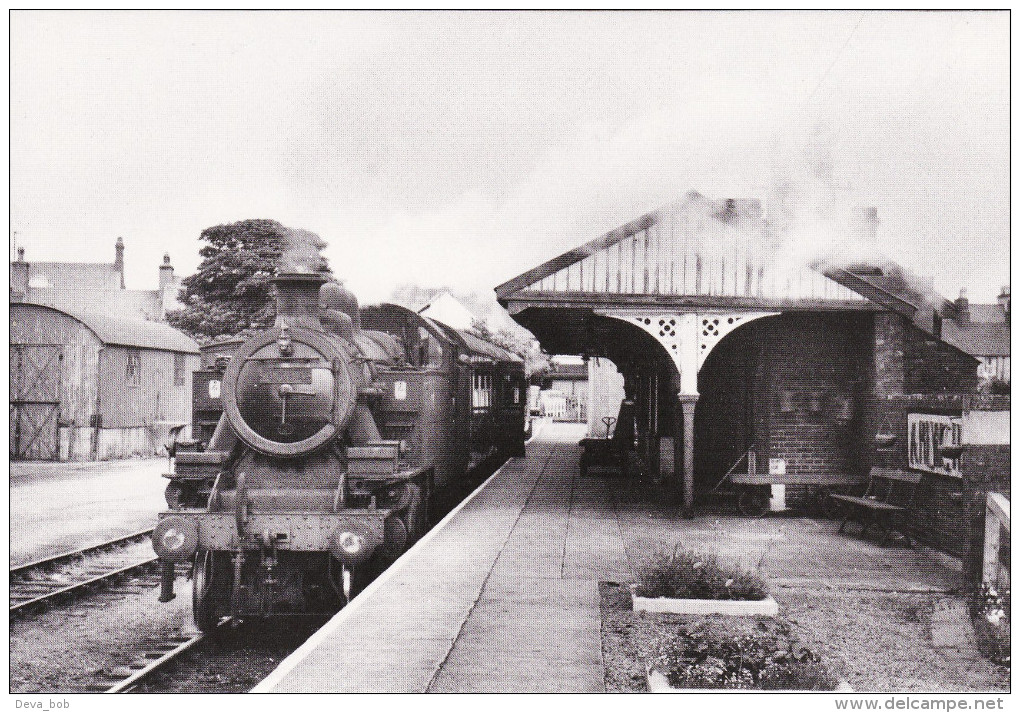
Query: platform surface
[503,595]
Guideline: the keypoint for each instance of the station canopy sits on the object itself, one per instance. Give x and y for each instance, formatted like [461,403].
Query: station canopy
[701,256]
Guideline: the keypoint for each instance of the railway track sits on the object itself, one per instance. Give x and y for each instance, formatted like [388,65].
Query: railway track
[47,580]
[152,657]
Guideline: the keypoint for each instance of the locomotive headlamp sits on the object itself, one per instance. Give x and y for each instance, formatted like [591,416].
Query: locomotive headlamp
[350,543]
[175,539]
[351,547]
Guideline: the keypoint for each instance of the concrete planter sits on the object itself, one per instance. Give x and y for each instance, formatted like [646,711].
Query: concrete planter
[658,683]
[762,607]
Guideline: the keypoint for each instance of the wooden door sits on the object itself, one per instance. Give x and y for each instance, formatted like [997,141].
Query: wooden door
[35,401]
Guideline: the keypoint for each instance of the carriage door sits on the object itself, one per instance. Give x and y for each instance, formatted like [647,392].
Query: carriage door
[35,400]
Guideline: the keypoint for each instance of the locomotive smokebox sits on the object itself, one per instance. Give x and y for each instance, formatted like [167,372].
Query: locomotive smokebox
[297,299]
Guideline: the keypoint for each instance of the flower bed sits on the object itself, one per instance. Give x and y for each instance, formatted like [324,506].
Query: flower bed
[737,654]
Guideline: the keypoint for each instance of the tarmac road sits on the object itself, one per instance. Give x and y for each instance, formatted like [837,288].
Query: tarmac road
[60,507]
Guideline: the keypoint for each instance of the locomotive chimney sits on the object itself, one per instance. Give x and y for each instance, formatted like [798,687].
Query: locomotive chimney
[297,299]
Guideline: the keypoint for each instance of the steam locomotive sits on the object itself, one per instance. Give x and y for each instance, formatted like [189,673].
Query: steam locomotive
[339,425]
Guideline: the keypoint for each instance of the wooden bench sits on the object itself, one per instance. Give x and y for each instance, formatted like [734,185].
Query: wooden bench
[889,496]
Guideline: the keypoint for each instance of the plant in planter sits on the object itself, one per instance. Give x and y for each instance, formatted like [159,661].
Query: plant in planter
[990,610]
[693,583]
[707,654]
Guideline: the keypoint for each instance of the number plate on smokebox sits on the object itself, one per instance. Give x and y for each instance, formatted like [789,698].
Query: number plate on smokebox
[284,375]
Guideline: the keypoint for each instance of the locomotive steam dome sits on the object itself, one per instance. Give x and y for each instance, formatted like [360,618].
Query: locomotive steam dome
[290,389]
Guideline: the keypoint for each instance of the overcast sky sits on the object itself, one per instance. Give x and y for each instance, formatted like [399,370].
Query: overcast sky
[463,149]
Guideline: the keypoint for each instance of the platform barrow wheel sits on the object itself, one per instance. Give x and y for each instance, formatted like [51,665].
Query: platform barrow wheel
[210,588]
[830,508]
[753,501]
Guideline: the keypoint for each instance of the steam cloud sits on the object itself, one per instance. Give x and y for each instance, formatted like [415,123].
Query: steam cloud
[301,252]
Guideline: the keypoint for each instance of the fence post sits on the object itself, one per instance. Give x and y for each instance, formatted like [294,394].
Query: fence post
[997,512]
[990,559]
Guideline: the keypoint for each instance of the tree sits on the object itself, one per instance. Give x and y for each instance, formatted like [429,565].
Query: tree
[230,293]
[520,342]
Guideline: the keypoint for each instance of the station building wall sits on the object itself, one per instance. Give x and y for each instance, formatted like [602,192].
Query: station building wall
[791,386]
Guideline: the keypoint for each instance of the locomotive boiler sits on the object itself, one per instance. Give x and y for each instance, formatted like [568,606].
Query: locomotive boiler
[339,424]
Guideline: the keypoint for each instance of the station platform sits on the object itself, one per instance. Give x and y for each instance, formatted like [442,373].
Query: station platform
[500,596]
[503,594]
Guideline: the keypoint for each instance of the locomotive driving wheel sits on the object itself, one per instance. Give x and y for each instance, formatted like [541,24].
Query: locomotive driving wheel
[210,588]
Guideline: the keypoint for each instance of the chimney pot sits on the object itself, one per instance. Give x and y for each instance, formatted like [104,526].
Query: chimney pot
[1004,301]
[963,307]
[166,273]
[21,254]
[118,262]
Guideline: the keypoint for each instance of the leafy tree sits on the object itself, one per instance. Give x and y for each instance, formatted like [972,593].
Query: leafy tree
[519,341]
[230,293]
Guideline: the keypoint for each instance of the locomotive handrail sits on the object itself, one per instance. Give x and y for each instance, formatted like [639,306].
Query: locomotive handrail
[241,506]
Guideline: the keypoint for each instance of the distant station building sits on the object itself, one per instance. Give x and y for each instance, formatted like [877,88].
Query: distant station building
[93,287]
[737,358]
[96,373]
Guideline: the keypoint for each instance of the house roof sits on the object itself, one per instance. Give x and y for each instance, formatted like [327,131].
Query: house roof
[987,313]
[77,275]
[126,331]
[977,339]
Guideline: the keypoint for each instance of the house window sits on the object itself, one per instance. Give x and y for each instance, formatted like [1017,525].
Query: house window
[133,374]
[178,369]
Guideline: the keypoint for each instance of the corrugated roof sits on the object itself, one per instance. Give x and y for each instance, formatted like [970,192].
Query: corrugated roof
[977,339]
[126,331]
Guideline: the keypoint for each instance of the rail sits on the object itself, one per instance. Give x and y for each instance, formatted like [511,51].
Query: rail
[996,520]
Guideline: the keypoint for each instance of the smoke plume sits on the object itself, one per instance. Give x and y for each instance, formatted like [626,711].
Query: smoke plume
[301,252]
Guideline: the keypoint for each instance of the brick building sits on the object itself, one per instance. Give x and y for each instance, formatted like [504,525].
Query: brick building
[737,357]
[93,287]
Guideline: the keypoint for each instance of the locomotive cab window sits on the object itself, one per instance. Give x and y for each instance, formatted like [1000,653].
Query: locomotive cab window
[430,351]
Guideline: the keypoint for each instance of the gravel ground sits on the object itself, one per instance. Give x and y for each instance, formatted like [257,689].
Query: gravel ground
[60,650]
[234,660]
[880,641]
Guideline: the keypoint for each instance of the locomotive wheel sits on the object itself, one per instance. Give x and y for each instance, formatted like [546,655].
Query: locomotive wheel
[752,502]
[210,583]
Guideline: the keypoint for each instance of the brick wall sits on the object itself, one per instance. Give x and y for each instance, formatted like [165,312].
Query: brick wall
[801,376]
[985,468]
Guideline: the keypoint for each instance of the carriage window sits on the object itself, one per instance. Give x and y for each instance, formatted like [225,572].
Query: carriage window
[481,391]
[133,373]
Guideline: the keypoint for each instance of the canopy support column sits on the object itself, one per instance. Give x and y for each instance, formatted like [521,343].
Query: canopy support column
[687,404]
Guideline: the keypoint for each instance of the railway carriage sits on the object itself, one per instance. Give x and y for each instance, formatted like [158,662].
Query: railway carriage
[339,425]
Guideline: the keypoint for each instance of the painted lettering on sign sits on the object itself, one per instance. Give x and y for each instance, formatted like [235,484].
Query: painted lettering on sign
[925,433]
